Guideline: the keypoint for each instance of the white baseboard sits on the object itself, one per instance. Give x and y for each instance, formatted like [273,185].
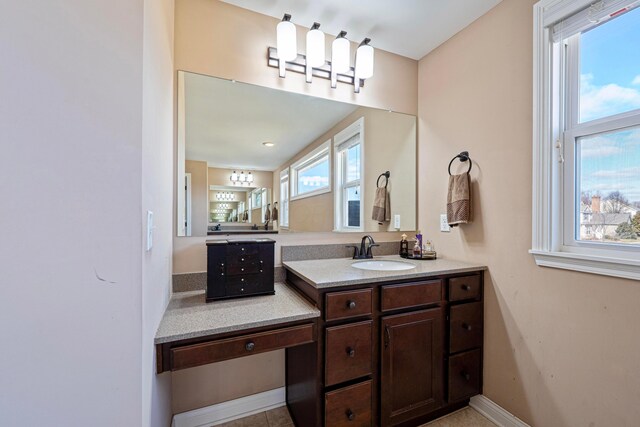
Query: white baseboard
[496,413]
[231,410]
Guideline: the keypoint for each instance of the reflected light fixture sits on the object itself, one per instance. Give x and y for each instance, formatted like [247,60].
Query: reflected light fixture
[241,178]
[286,42]
[363,63]
[340,52]
[315,50]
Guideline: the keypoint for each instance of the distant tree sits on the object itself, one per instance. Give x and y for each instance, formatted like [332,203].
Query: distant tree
[626,231]
[585,197]
[617,201]
[635,222]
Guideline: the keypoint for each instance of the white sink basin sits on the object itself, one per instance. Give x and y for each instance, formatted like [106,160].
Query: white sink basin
[383,265]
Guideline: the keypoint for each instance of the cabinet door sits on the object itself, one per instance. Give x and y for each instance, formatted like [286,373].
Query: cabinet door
[412,365]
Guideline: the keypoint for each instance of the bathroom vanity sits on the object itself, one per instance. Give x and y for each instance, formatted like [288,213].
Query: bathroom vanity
[393,347]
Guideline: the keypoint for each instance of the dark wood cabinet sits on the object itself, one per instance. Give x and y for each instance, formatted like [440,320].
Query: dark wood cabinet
[237,268]
[412,365]
[394,353]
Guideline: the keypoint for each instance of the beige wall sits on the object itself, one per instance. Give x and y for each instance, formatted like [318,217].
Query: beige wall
[561,348]
[199,196]
[222,40]
[217,39]
[312,213]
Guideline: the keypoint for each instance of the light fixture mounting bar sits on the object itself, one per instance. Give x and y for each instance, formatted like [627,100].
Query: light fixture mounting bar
[299,65]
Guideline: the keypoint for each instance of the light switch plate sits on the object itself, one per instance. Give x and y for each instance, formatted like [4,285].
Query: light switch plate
[396,222]
[444,224]
[149,230]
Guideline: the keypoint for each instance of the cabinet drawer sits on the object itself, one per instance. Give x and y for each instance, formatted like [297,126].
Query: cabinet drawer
[241,285]
[349,406]
[347,352]
[465,327]
[463,288]
[244,268]
[343,305]
[215,351]
[239,249]
[409,295]
[465,375]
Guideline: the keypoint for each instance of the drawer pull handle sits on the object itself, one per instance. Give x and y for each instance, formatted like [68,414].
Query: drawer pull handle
[351,352]
[387,336]
[466,287]
[350,415]
[242,280]
[260,271]
[242,269]
[466,326]
[242,249]
[250,346]
[242,259]
[466,376]
[351,305]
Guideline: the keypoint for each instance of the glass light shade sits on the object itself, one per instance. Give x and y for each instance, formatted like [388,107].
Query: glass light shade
[286,41]
[241,177]
[315,48]
[249,177]
[234,176]
[340,53]
[364,62]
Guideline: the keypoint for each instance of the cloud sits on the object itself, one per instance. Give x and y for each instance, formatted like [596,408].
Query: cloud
[599,101]
[633,172]
[636,80]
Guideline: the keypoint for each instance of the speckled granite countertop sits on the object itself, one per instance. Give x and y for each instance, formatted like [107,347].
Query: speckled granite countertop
[189,316]
[328,273]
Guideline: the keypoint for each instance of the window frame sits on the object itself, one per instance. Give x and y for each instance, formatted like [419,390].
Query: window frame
[555,129]
[309,160]
[284,198]
[339,155]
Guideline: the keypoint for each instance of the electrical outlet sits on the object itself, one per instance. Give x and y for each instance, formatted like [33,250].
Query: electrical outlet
[396,222]
[444,224]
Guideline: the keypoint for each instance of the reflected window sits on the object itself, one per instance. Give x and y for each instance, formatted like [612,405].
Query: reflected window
[348,171]
[284,198]
[310,175]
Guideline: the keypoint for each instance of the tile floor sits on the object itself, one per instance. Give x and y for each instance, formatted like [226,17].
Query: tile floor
[279,417]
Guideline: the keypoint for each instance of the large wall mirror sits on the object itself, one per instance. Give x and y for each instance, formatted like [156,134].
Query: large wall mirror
[258,160]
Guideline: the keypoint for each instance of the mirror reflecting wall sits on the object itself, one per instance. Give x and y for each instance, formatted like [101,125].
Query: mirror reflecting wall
[259,160]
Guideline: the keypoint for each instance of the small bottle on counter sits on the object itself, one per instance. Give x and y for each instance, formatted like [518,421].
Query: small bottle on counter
[404,246]
[417,250]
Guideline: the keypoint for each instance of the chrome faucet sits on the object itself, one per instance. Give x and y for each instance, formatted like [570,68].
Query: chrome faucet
[363,252]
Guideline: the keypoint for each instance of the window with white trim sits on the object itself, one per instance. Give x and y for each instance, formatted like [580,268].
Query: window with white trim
[349,168]
[586,204]
[284,198]
[311,175]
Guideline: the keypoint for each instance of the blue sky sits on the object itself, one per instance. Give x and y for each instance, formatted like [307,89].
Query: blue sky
[610,84]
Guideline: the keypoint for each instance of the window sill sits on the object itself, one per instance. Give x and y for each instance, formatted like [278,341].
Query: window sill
[607,266]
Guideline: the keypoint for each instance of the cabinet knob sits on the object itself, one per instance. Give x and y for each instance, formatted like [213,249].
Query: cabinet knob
[242,280]
[242,269]
[466,326]
[350,415]
[351,304]
[242,249]
[351,352]
[260,271]
[466,376]
[466,287]
[250,346]
[242,259]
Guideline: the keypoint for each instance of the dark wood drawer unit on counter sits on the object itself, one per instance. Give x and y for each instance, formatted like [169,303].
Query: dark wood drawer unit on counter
[237,268]
[390,353]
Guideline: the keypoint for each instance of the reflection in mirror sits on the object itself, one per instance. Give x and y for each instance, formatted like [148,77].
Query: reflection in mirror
[259,160]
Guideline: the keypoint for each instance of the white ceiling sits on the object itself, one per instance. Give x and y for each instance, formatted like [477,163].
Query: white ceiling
[226,123]
[409,28]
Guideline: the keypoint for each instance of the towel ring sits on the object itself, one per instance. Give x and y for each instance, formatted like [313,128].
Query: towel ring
[387,174]
[463,156]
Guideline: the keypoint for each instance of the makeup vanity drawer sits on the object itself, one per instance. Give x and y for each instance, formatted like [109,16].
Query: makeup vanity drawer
[464,288]
[209,352]
[408,295]
[344,305]
[348,406]
[465,326]
[465,372]
[347,352]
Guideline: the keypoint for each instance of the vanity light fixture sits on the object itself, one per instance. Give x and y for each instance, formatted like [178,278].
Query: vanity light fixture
[340,53]
[241,178]
[285,56]
[315,50]
[286,42]
[363,63]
